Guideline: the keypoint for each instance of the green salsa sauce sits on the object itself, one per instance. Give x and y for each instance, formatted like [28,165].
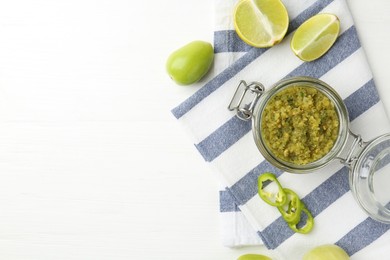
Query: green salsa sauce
[299,125]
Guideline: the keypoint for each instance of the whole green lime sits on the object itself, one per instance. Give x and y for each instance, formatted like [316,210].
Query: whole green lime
[326,252]
[253,257]
[190,63]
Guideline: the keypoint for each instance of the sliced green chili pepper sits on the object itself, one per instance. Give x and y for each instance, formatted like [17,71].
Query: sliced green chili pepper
[291,210]
[308,225]
[272,198]
[288,203]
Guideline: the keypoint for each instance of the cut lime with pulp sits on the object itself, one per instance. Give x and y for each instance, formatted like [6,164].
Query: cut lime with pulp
[261,23]
[315,36]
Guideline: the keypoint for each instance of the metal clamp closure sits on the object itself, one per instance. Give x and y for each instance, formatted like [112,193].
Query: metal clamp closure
[245,98]
[353,150]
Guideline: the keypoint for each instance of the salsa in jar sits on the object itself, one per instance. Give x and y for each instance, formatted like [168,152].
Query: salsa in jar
[300,124]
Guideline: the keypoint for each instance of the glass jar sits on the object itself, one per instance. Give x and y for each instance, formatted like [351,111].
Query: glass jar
[368,162]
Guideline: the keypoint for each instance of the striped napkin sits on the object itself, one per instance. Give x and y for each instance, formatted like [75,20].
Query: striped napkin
[227,145]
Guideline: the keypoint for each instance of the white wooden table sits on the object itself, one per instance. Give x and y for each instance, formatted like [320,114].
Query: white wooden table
[92,164]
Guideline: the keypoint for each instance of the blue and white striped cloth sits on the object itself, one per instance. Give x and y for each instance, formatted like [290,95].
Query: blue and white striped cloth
[227,145]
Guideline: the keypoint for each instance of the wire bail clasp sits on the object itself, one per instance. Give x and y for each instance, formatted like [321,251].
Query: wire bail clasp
[356,144]
[245,98]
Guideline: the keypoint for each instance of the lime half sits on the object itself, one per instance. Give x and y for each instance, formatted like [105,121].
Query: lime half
[261,23]
[315,36]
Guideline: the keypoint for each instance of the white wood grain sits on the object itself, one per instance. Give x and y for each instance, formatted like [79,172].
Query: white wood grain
[92,164]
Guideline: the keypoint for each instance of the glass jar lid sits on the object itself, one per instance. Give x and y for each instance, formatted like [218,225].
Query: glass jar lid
[370,178]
